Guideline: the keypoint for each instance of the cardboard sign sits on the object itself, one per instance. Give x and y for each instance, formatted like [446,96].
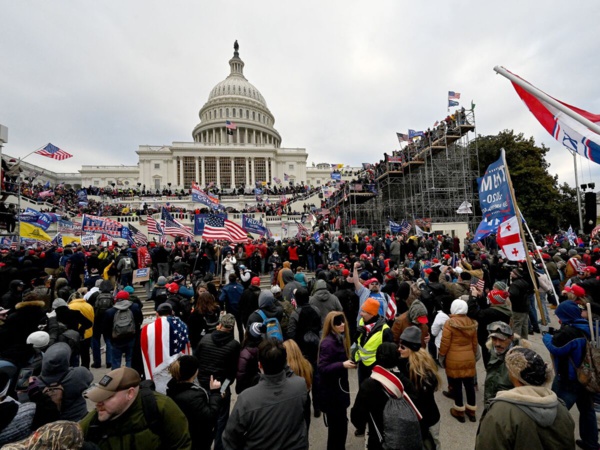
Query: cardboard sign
[88,239]
[141,275]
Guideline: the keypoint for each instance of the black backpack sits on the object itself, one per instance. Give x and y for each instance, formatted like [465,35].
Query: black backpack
[104,301]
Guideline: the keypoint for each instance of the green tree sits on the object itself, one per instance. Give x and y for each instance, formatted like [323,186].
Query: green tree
[536,190]
[567,207]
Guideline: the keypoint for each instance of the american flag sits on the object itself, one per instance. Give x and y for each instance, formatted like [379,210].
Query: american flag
[286,177]
[402,137]
[230,127]
[173,227]
[453,95]
[138,237]
[58,240]
[52,151]
[405,227]
[302,230]
[162,342]
[216,227]
[392,309]
[153,226]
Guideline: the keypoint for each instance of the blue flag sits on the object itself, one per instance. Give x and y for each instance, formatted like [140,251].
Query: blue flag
[494,192]
[254,226]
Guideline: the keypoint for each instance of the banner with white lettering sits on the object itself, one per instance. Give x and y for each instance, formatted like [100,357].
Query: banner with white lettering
[494,192]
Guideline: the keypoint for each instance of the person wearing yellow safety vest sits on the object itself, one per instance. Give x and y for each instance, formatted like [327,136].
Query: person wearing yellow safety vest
[372,331]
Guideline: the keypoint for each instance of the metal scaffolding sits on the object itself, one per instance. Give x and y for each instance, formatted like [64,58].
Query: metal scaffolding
[425,182]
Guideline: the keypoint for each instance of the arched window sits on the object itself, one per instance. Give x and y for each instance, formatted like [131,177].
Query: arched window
[233,112]
[253,115]
[241,113]
[247,114]
[221,113]
[226,112]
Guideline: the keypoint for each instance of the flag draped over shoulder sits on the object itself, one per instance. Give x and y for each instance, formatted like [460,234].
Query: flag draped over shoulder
[52,151]
[564,128]
[162,341]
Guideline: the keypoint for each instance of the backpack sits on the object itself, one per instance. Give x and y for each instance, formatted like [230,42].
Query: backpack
[272,326]
[401,429]
[123,324]
[160,295]
[288,309]
[588,373]
[55,391]
[127,263]
[104,301]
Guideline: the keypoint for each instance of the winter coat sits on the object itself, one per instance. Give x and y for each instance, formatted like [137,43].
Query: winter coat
[20,323]
[424,396]
[55,367]
[131,431]
[496,377]
[218,353]
[402,322]
[324,301]
[200,325]
[526,418]
[248,373]
[231,295]
[333,390]
[248,303]
[73,319]
[109,317]
[16,420]
[458,289]
[269,415]
[200,408]
[13,296]
[519,291]
[266,305]
[485,316]
[567,348]
[87,311]
[437,326]
[459,346]
[369,405]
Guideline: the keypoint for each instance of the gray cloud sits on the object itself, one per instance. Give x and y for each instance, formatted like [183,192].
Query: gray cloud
[340,77]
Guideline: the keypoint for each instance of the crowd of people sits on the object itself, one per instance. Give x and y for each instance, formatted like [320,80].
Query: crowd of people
[411,316]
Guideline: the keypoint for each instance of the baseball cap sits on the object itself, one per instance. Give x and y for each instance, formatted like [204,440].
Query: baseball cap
[499,330]
[114,381]
[255,281]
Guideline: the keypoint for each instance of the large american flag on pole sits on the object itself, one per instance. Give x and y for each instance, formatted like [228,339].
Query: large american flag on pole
[162,342]
[216,227]
[138,237]
[173,227]
[153,226]
[52,151]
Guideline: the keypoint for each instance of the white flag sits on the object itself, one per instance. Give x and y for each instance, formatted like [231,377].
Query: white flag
[509,239]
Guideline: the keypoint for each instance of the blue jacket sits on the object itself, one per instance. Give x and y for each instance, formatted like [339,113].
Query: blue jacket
[567,348]
[231,294]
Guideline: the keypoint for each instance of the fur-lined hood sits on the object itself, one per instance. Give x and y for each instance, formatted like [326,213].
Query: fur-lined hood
[30,303]
[538,402]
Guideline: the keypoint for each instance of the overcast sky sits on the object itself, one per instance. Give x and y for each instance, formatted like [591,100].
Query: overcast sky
[98,79]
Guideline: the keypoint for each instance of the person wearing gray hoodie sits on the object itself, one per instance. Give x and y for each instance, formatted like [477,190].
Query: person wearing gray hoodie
[74,380]
[324,301]
[266,303]
[529,416]
[290,284]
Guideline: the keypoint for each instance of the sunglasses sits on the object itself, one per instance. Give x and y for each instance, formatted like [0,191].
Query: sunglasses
[402,347]
[374,282]
[338,320]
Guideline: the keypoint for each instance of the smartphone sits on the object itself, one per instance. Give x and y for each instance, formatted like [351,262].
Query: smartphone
[225,385]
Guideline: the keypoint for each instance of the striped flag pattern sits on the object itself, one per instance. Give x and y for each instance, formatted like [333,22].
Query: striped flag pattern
[52,151]
[173,227]
[153,226]
[162,341]
[138,237]
[216,227]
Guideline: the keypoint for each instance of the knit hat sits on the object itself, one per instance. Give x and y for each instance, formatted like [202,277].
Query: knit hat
[255,281]
[500,285]
[122,295]
[497,297]
[255,329]
[371,306]
[57,303]
[411,338]
[129,289]
[527,366]
[417,313]
[227,321]
[459,306]
[39,339]
[387,355]
[568,312]
[178,278]
[161,281]
[188,365]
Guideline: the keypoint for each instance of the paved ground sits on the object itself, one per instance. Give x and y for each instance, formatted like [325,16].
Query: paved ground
[454,435]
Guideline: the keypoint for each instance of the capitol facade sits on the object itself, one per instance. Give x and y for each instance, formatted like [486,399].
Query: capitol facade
[235,145]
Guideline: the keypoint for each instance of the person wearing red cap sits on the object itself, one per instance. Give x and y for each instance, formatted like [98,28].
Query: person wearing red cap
[371,289]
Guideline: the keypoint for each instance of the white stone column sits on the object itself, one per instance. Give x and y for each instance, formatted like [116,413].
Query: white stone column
[237,135]
[197,169]
[181,177]
[267,171]
[271,167]
[245,136]
[221,131]
[203,172]
[252,172]
[247,171]
[254,137]
[174,171]
[232,172]
[219,170]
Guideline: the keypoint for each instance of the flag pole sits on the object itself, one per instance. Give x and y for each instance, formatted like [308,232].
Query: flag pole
[522,233]
[578,191]
[545,97]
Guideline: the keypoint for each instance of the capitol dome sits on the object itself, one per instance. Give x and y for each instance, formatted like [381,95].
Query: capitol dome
[239,102]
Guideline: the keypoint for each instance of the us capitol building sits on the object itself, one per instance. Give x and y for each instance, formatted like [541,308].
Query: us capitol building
[248,154]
